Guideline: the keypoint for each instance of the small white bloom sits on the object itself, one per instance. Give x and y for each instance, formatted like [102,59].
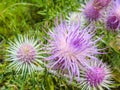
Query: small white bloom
[25,54]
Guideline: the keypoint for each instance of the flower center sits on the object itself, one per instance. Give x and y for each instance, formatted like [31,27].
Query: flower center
[95,76]
[26,53]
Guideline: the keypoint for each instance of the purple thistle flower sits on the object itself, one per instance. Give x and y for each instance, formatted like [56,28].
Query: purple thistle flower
[25,54]
[69,46]
[90,12]
[94,9]
[113,18]
[112,23]
[100,4]
[97,77]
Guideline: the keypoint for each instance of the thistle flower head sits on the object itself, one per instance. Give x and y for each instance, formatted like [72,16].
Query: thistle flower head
[69,46]
[91,12]
[113,19]
[97,77]
[100,4]
[112,23]
[24,54]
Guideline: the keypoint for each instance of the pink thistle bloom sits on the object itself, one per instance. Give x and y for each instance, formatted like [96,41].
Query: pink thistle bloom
[100,4]
[25,54]
[113,19]
[93,10]
[113,23]
[97,77]
[69,46]
[90,12]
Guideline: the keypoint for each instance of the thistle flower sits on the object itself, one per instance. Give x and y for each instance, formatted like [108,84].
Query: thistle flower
[69,47]
[100,4]
[113,23]
[91,12]
[94,9]
[24,54]
[113,19]
[97,77]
